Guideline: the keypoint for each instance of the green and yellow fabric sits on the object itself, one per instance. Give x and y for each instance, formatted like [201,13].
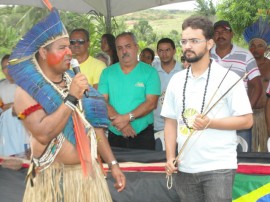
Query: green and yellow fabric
[251,188]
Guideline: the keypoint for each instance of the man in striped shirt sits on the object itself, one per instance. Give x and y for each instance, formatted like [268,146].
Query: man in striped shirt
[241,61]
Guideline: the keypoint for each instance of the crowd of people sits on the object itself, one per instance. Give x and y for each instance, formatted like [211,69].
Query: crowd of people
[203,106]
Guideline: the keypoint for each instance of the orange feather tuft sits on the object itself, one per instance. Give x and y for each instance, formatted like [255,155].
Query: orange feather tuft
[48,4]
[82,144]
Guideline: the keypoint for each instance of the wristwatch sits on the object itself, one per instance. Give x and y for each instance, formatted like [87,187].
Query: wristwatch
[131,117]
[114,162]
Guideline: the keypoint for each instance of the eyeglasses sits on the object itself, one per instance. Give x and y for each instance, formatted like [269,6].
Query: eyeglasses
[79,41]
[184,42]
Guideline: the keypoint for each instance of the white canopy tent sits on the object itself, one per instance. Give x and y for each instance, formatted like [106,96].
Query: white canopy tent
[108,8]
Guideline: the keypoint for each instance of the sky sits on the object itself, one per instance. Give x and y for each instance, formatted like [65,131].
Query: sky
[188,5]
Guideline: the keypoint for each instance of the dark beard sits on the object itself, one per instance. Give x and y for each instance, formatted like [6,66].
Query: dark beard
[195,58]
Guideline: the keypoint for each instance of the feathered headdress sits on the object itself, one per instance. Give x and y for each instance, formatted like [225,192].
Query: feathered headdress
[26,72]
[259,30]
[22,63]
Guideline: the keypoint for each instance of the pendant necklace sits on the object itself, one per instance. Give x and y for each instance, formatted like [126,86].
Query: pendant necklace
[184,94]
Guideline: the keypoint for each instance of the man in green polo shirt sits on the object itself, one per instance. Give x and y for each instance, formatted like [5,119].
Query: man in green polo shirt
[131,89]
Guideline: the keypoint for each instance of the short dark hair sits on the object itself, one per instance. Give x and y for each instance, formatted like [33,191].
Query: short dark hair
[150,51]
[86,33]
[200,22]
[166,40]
[5,57]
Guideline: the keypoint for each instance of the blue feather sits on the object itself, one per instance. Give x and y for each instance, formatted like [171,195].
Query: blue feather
[260,29]
[26,74]
[44,31]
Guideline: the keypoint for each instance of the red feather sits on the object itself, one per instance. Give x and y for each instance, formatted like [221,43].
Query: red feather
[82,144]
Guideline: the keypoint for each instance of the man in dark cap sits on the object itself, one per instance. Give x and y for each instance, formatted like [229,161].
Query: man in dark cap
[241,62]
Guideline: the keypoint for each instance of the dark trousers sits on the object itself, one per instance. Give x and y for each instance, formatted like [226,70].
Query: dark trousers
[144,140]
[209,186]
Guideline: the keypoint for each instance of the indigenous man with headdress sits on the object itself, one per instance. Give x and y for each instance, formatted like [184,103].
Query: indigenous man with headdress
[257,36]
[52,106]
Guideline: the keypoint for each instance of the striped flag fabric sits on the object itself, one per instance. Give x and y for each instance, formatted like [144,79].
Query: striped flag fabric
[252,183]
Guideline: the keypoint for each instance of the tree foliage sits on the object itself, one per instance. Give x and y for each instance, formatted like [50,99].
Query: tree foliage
[17,20]
[205,7]
[242,13]
[144,32]
[9,37]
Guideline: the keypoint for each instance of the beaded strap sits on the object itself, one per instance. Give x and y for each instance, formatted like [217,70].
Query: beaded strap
[49,154]
[29,111]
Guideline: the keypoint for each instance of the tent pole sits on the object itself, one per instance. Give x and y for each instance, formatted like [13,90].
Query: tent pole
[108,17]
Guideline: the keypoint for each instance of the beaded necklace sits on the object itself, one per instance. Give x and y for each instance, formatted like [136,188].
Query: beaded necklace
[63,89]
[184,94]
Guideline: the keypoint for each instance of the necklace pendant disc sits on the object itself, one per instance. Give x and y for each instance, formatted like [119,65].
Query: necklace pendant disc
[185,127]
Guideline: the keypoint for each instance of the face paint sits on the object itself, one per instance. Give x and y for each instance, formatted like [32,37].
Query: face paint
[57,58]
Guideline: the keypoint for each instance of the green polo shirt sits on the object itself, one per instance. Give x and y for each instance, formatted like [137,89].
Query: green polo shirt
[127,91]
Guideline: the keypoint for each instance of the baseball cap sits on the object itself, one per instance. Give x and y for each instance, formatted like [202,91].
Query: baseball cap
[224,24]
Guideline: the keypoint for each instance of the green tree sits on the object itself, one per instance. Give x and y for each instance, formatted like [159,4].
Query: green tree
[206,8]
[9,36]
[17,20]
[242,13]
[144,32]
[175,36]
[30,17]
[142,45]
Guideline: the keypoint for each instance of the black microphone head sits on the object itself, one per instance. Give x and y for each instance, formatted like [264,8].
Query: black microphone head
[75,66]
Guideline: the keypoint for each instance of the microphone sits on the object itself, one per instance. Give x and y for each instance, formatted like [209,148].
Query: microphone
[76,69]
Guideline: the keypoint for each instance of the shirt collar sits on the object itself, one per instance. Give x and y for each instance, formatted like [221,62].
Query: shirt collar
[204,75]
[177,67]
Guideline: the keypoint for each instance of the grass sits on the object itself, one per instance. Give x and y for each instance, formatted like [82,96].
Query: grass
[162,21]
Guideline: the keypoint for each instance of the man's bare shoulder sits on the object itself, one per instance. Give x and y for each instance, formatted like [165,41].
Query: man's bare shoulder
[22,100]
[265,69]
[267,62]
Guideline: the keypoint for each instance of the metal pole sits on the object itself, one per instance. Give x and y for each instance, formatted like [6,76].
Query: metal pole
[108,17]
